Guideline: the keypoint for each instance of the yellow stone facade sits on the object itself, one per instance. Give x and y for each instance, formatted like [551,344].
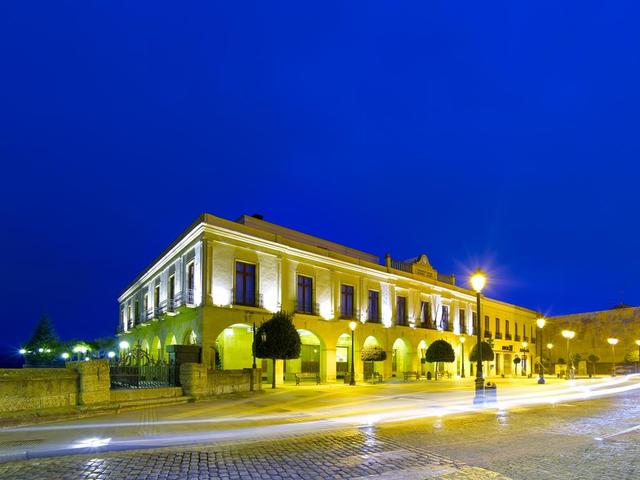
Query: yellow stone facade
[187,296]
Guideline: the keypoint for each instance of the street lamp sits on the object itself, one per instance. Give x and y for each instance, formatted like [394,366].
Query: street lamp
[462,340]
[352,326]
[540,322]
[478,281]
[524,358]
[568,334]
[613,342]
[253,345]
[638,343]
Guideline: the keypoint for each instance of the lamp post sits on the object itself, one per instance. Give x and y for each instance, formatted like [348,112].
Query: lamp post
[524,358]
[638,343]
[540,322]
[352,379]
[613,342]
[568,334]
[478,281]
[462,340]
[254,366]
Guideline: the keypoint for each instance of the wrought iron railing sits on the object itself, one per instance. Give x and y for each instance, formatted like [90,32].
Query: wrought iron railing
[257,302]
[498,335]
[313,309]
[487,334]
[143,376]
[507,336]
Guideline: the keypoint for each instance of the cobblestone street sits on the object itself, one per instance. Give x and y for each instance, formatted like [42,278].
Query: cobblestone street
[590,439]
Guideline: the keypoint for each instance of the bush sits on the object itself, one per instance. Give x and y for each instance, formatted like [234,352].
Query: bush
[487,353]
[440,351]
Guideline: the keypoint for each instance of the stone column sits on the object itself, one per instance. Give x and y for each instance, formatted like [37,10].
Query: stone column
[94,381]
[328,365]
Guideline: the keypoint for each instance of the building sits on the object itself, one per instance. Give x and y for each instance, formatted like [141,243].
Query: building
[592,329]
[219,277]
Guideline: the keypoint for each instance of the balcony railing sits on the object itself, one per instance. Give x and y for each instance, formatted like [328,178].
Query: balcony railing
[398,265]
[507,336]
[313,309]
[525,339]
[517,338]
[487,334]
[403,322]
[498,336]
[375,319]
[246,302]
[533,340]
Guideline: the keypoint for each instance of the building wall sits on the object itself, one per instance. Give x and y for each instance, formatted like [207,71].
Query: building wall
[278,263]
[592,330]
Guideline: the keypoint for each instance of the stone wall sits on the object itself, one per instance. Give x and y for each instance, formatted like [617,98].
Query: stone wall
[128,395]
[198,381]
[94,381]
[37,388]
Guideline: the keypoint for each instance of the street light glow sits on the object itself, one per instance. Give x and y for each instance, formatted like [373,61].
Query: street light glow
[462,339]
[352,326]
[541,322]
[111,354]
[22,351]
[478,281]
[65,356]
[525,344]
[568,334]
[612,341]
[124,345]
[638,342]
[549,346]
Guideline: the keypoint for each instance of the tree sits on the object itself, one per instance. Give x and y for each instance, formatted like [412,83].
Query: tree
[561,361]
[43,338]
[593,359]
[516,362]
[575,359]
[486,351]
[373,353]
[440,351]
[281,340]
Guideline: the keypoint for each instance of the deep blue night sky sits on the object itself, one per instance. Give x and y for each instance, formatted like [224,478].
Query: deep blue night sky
[504,134]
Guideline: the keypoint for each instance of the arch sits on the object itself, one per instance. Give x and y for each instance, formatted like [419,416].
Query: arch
[370,367]
[170,339]
[156,351]
[234,347]
[400,357]
[190,338]
[145,345]
[371,340]
[343,355]
[310,353]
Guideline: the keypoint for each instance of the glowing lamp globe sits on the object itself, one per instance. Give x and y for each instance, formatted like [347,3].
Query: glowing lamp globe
[124,345]
[541,322]
[549,346]
[352,326]
[478,281]
[612,341]
[568,334]
[462,339]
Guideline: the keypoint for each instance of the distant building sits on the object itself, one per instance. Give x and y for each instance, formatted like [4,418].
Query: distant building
[592,331]
[219,277]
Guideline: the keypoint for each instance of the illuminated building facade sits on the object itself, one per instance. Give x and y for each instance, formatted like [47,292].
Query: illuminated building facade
[220,277]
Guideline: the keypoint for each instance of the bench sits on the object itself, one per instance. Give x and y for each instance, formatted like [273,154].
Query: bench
[408,375]
[376,377]
[313,377]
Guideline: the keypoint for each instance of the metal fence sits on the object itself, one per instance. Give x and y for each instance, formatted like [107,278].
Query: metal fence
[143,376]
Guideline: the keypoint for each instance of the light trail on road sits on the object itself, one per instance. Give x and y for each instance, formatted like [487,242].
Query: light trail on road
[366,412]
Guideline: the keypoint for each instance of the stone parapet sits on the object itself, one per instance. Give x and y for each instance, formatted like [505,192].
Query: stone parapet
[94,381]
[198,381]
[37,388]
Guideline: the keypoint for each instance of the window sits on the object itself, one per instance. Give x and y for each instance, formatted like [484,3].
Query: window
[506,327]
[145,303]
[245,292]
[445,317]
[305,294]
[346,301]
[172,288]
[497,325]
[136,311]
[474,323]
[129,315]
[374,306]
[401,310]
[156,296]
[462,320]
[486,323]
[515,329]
[191,276]
[425,314]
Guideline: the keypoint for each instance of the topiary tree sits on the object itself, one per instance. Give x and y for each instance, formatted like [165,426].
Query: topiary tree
[516,362]
[281,340]
[575,359]
[486,352]
[440,351]
[561,361]
[373,353]
[44,340]
[593,359]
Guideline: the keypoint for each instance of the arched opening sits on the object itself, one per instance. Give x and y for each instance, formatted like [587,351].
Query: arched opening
[156,349]
[370,367]
[170,339]
[145,345]
[343,355]
[400,357]
[234,347]
[309,361]
[190,338]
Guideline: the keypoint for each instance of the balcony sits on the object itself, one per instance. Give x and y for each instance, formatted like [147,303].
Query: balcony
[517,338]
[498,336]
[308,309]
[533,340]
[255,302]
[525,339]
[428,324]
[487,334]
[375,319]
[507,336]
[402,322]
